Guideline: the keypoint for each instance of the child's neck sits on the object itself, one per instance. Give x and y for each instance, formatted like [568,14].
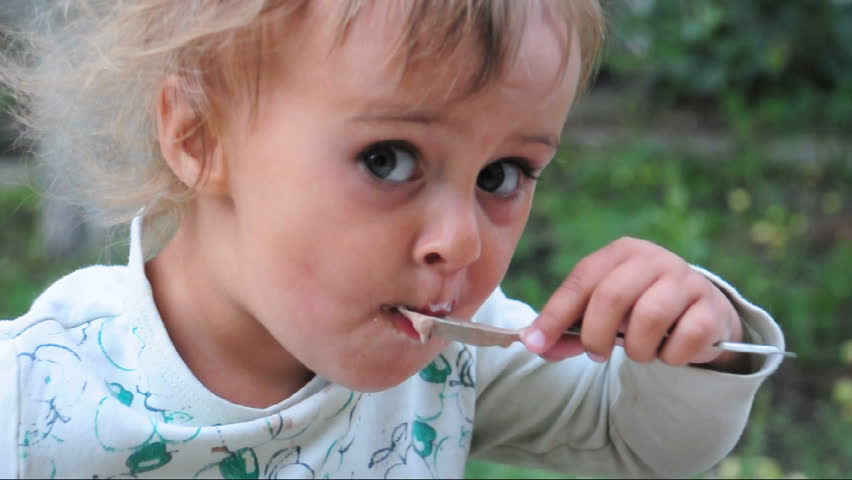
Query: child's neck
[225,348]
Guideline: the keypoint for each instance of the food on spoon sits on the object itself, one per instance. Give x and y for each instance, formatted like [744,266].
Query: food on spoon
[423,324]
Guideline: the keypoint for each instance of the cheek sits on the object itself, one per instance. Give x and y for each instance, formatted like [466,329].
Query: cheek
[504,248]
[488,272]
[508,220]
[326,247]
[509,214]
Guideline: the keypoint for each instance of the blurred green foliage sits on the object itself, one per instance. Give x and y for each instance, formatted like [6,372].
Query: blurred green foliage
[788,63]
[24,268]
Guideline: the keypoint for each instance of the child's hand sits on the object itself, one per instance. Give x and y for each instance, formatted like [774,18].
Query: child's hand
[646,291]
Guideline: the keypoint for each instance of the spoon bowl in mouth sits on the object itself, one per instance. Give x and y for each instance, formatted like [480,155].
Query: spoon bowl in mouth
[465,332]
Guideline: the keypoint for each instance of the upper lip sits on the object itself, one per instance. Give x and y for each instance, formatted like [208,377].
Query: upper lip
[434,309]
[438,309]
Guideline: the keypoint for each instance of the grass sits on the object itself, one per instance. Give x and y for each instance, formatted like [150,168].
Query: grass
[781,234]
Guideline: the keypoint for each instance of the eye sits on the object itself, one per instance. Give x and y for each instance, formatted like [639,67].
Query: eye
[504,177]
[390,161]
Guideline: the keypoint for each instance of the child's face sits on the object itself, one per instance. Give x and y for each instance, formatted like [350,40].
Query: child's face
[353,192]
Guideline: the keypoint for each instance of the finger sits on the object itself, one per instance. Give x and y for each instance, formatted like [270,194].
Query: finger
[654,315]
[693,336]
[566,346]
[611,302]
[567,303]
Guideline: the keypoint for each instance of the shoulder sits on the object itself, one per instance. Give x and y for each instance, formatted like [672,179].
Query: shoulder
[79,297]
[43,351]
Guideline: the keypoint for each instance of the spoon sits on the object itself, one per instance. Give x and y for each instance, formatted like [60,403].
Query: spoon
[483,335]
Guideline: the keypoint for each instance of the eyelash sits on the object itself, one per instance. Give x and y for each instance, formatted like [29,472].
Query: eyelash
[524,165]
[400,144]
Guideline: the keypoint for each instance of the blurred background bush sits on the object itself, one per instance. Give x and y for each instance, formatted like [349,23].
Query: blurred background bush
[719,129]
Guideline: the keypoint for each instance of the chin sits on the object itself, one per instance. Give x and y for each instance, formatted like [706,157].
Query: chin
[385,380]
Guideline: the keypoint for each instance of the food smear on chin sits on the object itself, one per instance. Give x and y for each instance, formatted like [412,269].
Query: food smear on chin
[423,324]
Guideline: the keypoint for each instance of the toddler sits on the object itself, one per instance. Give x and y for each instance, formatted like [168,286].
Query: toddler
[294,173]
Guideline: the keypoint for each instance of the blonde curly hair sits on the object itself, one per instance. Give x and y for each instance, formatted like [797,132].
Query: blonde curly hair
[86,75]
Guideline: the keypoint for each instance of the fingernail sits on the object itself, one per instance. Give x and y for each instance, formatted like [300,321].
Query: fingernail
[595,357]
[534,340]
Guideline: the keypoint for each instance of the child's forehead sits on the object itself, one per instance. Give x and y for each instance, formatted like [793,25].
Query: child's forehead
[434,54]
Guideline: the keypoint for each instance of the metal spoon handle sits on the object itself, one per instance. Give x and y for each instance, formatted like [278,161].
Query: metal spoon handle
[727,346]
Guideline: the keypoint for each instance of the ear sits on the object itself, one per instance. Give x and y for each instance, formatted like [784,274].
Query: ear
[192,153]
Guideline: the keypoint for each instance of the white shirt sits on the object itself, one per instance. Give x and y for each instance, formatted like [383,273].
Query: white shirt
[91,385]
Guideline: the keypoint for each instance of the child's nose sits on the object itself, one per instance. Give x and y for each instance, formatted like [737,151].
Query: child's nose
[450,240]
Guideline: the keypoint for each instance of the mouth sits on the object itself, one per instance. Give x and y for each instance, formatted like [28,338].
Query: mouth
[415,327]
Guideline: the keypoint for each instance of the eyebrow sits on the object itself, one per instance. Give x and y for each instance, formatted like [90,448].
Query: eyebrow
[431,118]
[423,117]
[544,139]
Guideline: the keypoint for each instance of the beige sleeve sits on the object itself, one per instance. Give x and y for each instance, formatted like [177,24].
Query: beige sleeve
[8,409]
[620,418]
